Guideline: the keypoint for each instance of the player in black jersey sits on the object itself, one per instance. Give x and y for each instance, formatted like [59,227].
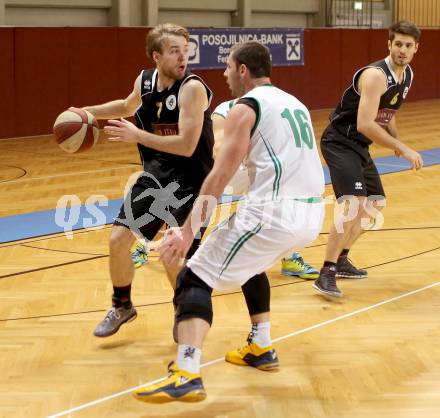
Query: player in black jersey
[365,115]
[173,132]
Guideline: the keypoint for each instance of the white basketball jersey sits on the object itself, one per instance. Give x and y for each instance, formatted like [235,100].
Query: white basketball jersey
[283,159]
[223,108]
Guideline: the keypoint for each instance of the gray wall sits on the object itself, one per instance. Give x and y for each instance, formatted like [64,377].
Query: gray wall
[250,13]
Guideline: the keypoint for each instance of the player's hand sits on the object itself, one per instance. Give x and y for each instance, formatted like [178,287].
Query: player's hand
[175,245]
[122,130]
[413,157]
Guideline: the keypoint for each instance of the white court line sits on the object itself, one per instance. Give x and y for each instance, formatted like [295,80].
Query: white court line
[210,363]
[20,180]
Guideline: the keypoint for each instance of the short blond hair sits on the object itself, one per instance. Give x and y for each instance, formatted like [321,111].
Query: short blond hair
[157,36]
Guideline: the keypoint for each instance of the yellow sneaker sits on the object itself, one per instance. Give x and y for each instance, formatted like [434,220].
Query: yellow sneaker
[253,355]
[139,255]
[296,266]
[180,385]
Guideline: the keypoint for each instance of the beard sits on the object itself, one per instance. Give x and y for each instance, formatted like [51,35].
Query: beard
[173,73]
[400,62]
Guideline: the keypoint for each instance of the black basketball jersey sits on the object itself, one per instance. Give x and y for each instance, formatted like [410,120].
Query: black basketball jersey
[159,113]
[344,118]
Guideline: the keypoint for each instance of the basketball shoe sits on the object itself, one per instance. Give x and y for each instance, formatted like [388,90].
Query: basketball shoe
[113,320]
[180,385]
[255,356]
[139,255]
[326,282]
[344,268]
[296,266]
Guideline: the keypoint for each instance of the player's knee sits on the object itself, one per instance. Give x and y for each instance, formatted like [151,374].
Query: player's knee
[121,239]
[193,297]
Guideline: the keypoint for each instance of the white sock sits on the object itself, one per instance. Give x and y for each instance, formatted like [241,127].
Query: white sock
[188,358]
[261,334]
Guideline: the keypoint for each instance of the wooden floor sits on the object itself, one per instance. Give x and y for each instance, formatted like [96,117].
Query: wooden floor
[375,353]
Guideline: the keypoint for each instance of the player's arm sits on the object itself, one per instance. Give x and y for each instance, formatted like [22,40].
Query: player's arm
[193,103]
[218,126]
[237,133]
[238,127]
[392,130]
[119,108]
[372,84]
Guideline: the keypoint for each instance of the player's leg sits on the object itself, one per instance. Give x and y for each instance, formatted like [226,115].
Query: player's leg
[226,257]
[177,217]
[346,172]
[194,319]
[339,243]
[369,209]
[194,247]
[130,222]
[259,351]
[121,274]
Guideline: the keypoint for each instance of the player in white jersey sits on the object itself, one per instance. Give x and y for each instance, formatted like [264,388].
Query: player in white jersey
[239,185]
[271,131]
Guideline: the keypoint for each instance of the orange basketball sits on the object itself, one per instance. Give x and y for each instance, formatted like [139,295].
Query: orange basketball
[76,130]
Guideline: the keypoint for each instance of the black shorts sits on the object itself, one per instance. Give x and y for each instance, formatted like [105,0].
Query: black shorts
[351,173]
[147,208]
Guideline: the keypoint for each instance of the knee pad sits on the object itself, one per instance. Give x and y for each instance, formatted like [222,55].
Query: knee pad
[256,291]
[192,298]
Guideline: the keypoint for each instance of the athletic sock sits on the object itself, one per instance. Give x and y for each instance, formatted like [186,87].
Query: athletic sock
[188,358]
[260,334]
[122,297]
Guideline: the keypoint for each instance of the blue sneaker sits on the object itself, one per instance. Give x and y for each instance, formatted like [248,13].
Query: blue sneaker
[139,255]
[296,266]
[180,385]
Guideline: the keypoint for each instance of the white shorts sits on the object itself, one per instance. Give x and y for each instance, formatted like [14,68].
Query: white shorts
[253,240]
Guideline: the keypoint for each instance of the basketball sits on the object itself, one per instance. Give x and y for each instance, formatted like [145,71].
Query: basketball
[76,130]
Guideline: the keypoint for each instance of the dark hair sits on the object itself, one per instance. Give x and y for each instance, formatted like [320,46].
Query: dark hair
[404,27]
[157,35]
[255,56]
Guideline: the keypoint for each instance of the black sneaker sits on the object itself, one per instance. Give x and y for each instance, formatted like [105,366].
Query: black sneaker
[344,268]
[326,282]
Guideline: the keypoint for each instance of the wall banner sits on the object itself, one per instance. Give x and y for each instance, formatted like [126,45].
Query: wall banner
[209,48]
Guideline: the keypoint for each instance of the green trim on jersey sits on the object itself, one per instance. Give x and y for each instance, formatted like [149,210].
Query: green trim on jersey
[219,114]
[277,165]
[238,244]
[316,199]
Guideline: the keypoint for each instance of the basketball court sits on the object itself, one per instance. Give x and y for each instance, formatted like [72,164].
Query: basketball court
[374,353]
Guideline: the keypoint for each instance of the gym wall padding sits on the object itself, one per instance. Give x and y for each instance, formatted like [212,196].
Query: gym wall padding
[43,71]
[7,82]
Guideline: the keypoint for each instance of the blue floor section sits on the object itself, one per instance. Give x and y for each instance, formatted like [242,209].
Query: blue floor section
[47,222]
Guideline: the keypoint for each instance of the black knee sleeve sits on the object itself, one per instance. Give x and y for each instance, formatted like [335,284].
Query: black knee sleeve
[192,298]
[256,291]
